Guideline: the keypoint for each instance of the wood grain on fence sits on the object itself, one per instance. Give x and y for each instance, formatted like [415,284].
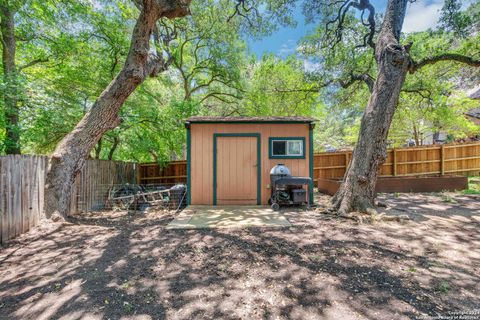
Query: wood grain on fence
[458,159]
[22,184]
[462,159]
[95,180]
[172,173]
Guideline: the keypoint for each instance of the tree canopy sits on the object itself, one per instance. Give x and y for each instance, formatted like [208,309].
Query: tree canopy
[68,51]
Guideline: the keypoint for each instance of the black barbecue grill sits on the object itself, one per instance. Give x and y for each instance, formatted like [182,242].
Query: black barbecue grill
[287,189]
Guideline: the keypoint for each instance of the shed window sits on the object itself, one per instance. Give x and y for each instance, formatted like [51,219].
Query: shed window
[279,148]
[287,147]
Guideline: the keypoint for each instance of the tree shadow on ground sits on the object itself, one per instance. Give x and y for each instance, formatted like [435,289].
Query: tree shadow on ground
[127,265]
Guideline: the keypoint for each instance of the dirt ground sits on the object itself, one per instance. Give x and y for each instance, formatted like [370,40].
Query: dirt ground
[118,265]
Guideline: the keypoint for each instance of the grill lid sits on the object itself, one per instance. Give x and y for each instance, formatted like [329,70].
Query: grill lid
[280,169]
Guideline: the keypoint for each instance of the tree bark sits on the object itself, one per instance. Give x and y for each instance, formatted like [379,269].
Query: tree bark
[10,79]
[416,135]
[154,155]
[116,141]
[70,154]
[357,192]
[98,149]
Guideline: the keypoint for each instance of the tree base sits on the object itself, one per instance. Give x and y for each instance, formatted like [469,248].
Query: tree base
[353,199]
[56,217]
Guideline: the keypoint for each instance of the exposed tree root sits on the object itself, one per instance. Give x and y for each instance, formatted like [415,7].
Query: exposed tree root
[56,217]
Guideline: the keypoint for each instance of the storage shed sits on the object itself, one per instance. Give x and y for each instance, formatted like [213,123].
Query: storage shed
[229,158]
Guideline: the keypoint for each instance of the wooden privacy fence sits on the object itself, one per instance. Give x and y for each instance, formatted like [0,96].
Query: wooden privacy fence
[96,179]
[172,173]
[22,183]
[462,159]
[459,159]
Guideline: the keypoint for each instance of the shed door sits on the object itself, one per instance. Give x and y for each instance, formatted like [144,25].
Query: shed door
[236,170]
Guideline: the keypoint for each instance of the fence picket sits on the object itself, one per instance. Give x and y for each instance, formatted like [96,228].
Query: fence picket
[463,159]
[22,184]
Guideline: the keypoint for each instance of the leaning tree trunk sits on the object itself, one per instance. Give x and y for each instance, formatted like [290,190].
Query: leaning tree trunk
[7,25]
[70,154]
[357,192]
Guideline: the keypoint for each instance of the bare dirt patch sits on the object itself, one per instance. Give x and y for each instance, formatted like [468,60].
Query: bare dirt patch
[119,265]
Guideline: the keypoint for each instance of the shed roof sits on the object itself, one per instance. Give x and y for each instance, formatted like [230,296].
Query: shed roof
[270,119]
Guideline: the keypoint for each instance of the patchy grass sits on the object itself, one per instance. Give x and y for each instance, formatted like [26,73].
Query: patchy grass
[473,186]
[443,287]
[412,269]
[447,197]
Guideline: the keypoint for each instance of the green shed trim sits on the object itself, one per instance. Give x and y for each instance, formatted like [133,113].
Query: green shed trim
[310,162]
[252,121]
[259,163]
[189,166]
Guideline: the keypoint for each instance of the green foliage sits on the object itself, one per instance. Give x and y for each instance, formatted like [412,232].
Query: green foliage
[453,19]
[59,92]
[279,87]
[209,74]
[443,287]
[473,186]
[432,99]
[81,45]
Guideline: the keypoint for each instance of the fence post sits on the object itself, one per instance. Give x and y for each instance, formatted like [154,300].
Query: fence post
[394,162]
[138,172]
[442,160]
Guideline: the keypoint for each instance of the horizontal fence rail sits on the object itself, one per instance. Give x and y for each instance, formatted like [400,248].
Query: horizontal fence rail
[22,178]
[172,173]
[447,159]
[22,184]
[461,159]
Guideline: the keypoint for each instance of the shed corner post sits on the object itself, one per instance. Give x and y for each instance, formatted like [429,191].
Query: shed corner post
[189,179]
[311,126]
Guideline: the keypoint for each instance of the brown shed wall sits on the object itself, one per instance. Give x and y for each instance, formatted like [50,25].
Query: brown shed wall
[201,171]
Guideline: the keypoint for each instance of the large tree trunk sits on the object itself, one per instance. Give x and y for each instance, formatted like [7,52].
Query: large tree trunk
[70,154]
[357,192]
[10,79]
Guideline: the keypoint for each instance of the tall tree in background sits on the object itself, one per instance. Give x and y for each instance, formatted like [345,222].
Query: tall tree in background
[71,153]
[26,29]
[33,33]
[453,19]
[207,55]
[278,87]
[10,79]
[392,62]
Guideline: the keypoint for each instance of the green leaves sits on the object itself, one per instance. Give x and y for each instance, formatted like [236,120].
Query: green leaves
[453,20]
[279,87]
[79,47]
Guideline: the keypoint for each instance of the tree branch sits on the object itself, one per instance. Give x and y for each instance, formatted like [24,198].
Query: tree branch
[415,66]
[363,77]
[240,6]
[217,96]
[358,77]
[339,19]
[32,63]
[424,93]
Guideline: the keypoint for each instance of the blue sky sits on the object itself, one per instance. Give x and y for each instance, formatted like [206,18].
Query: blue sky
[421,15]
